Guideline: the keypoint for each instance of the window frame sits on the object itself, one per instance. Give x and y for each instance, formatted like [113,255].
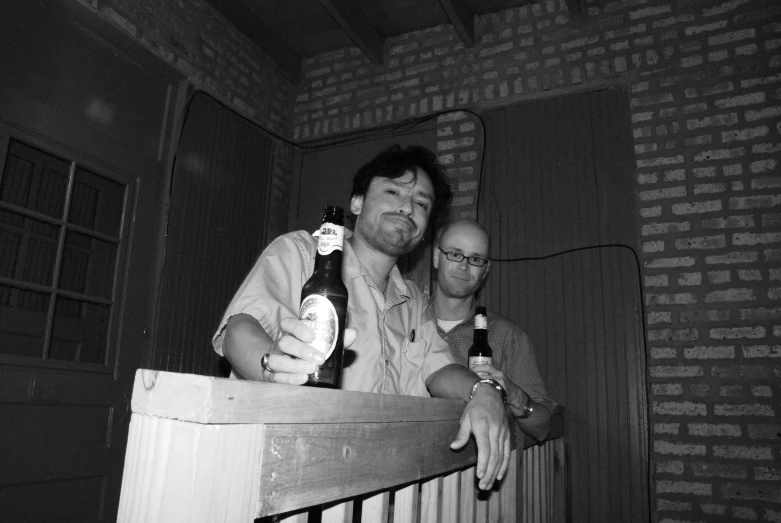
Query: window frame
[77,160]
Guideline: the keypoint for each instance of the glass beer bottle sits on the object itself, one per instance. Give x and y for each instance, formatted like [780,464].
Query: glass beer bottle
[324,300]
[480,352]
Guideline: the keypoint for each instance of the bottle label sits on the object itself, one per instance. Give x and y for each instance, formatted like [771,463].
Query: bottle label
[331,238]
[319,314]
[481,322]
[479,360]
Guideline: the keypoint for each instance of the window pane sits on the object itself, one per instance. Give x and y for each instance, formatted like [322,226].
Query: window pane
[97,203]
[80,331]
[28,248]
[88,265]
[34,179]
[22,327]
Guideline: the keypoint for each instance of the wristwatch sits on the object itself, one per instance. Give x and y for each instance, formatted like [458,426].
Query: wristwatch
[493,383]
[527,409]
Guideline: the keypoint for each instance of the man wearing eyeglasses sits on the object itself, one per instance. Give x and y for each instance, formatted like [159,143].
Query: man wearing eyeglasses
[461,263]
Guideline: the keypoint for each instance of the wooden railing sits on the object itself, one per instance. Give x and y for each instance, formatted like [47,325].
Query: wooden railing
[210,450]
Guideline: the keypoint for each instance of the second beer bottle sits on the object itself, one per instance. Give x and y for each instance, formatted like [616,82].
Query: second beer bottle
[480,352]
[324,300]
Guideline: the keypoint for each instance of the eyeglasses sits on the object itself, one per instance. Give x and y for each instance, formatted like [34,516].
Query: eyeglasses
[471,260]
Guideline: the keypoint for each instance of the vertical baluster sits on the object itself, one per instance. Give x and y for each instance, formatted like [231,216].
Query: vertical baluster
[450,509]
[405,504]
[430,498]
[467,495]
[339,513]
[375,508]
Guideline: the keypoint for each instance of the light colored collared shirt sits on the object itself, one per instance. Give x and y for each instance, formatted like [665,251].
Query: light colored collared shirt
[388,357]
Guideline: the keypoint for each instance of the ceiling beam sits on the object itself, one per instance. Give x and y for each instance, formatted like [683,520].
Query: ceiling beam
[356,24]
[575,10]
[248,23]
[462,18]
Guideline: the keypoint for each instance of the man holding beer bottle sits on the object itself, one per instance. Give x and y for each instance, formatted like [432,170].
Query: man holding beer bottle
[394,198]
[461,262]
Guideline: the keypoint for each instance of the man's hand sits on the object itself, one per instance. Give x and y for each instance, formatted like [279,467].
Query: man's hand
[538,424]
[484,416]
[290,359]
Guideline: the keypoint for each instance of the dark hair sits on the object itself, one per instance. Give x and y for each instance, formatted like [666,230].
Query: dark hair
[394,162]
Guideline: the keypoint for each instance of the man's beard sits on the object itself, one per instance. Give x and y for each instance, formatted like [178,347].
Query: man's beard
[392,242]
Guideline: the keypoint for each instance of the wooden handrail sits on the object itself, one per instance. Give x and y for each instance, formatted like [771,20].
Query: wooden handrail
[211,449]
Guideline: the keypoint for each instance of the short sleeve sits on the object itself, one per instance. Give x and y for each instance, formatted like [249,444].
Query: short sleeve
[272,289]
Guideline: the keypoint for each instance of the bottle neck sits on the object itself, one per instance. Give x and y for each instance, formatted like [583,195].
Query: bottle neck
[329,247]
[480,336]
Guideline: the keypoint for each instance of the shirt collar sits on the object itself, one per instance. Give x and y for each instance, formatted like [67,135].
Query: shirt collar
[430,314]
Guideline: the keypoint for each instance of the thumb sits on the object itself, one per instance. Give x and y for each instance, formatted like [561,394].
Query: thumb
[462,437]
[349,336]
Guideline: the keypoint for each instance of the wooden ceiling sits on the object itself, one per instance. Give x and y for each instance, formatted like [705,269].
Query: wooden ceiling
[292,30]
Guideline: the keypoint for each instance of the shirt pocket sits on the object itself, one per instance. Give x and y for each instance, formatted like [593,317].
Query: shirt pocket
[413,357]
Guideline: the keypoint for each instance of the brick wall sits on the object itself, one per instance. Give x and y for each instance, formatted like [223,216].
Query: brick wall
[703,79]
[194,39]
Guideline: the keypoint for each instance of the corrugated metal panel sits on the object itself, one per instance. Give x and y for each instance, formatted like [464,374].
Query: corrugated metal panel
[557,186]
[216,230]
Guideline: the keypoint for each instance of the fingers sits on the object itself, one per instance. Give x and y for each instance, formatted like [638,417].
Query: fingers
[462,437]
[506,461]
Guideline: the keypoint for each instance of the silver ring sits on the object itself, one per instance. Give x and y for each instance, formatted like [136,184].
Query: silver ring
[264,363]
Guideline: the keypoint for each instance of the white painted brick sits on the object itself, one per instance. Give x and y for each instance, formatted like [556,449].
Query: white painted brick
[697,207]
[752,409]
[742,452]
[654,246]
[665,228]
[681,298]
[714,429]
[762,351]
[662,263]
[701,242]
[719,277]
[666,193]
[737,333]
[666,428]
[676,371]
[745,134]
[659,280]
[730,295]
[744,238]
[684,487]
[651,212]
[667,389]
[741,100]
[767,112]
[658,353]
[732,257]
[749,275]
[669,467]
[678,449]
[703,352]
[734,36]
[761,391]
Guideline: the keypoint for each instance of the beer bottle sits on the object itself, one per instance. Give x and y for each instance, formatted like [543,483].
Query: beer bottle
[480,352]
[324,300]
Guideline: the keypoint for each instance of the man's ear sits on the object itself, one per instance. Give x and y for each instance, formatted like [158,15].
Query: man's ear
[487,269]
[356,204]
[436,257]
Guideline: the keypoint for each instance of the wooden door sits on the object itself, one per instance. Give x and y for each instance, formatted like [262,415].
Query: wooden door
[558,201]
[85,126]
